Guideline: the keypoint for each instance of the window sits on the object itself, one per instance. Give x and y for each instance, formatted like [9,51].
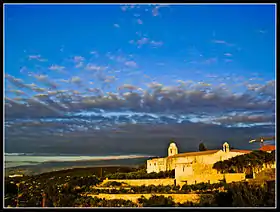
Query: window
[155,164]
[209,181]
[183,168]
[170,151]
[150,164]
[195,182]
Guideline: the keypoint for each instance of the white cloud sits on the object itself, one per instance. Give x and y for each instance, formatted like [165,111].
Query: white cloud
[93,67]
[79,65]
[228,54]
[76,79]
[223,42]
[116,25]
[142,41]
[34,57]
[124,8]
[228,60]
[156,43]
[155,11]
[78,58]
[210,61]
[139,21]
[131,64]
[95,53]
[41,77]
[56,67]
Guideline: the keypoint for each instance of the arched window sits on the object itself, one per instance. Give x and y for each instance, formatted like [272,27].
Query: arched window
[170,151]
[183,168]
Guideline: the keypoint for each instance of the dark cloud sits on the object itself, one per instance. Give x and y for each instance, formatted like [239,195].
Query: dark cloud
[142,139]
[247,119]
[133,119]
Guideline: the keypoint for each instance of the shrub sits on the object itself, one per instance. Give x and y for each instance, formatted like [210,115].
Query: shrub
[156,201]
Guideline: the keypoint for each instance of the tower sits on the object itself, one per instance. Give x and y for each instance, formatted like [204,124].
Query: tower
[226,147]
[172,149]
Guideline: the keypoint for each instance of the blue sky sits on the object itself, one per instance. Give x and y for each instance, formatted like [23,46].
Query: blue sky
[189,62]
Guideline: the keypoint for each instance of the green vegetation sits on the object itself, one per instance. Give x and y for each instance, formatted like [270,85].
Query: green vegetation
[160,189]
[202,147]
[236,195]
[142,174]
[70,190]
[60,187]
[247,163]
[114,184]
[246,195]
[156,201]
[102,202]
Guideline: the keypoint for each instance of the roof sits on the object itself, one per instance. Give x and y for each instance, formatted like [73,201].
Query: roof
[172,144]
[189,154]
[267,148]
[241,151]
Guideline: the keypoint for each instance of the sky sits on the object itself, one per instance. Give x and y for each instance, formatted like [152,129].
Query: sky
[126,79]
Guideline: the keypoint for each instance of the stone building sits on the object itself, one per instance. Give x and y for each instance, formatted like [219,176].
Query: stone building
[192,163]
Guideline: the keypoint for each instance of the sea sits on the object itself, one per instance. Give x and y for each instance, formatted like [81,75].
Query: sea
[35,161]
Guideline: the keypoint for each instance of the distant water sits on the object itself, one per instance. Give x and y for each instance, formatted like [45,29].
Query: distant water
[22,159]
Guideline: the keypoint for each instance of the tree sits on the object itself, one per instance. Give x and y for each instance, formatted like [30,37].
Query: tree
[202,147]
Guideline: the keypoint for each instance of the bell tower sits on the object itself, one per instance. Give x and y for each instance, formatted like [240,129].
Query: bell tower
[172,149]
[226,147]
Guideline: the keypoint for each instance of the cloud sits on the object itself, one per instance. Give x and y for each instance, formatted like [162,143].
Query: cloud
[76,80]
[156,43]
[262,31]
[251,119]
[157,113]
[228,60]
[93,67]
[145,41]
[131,64]
[116,25]
[228,54]
[139,21]
[210,61]
[142,41]
[17,92]
[223,42]
[128,87]
[184,100]
[56,68]
[155,11]
[45,79]
[36,57]
[124,8]
[79,65]
[94,53]
[78,58]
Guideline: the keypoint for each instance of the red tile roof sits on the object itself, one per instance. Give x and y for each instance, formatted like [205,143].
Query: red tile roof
[267,148]
[241,151]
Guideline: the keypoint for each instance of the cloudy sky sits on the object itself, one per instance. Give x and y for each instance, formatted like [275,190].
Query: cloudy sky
[119,79]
